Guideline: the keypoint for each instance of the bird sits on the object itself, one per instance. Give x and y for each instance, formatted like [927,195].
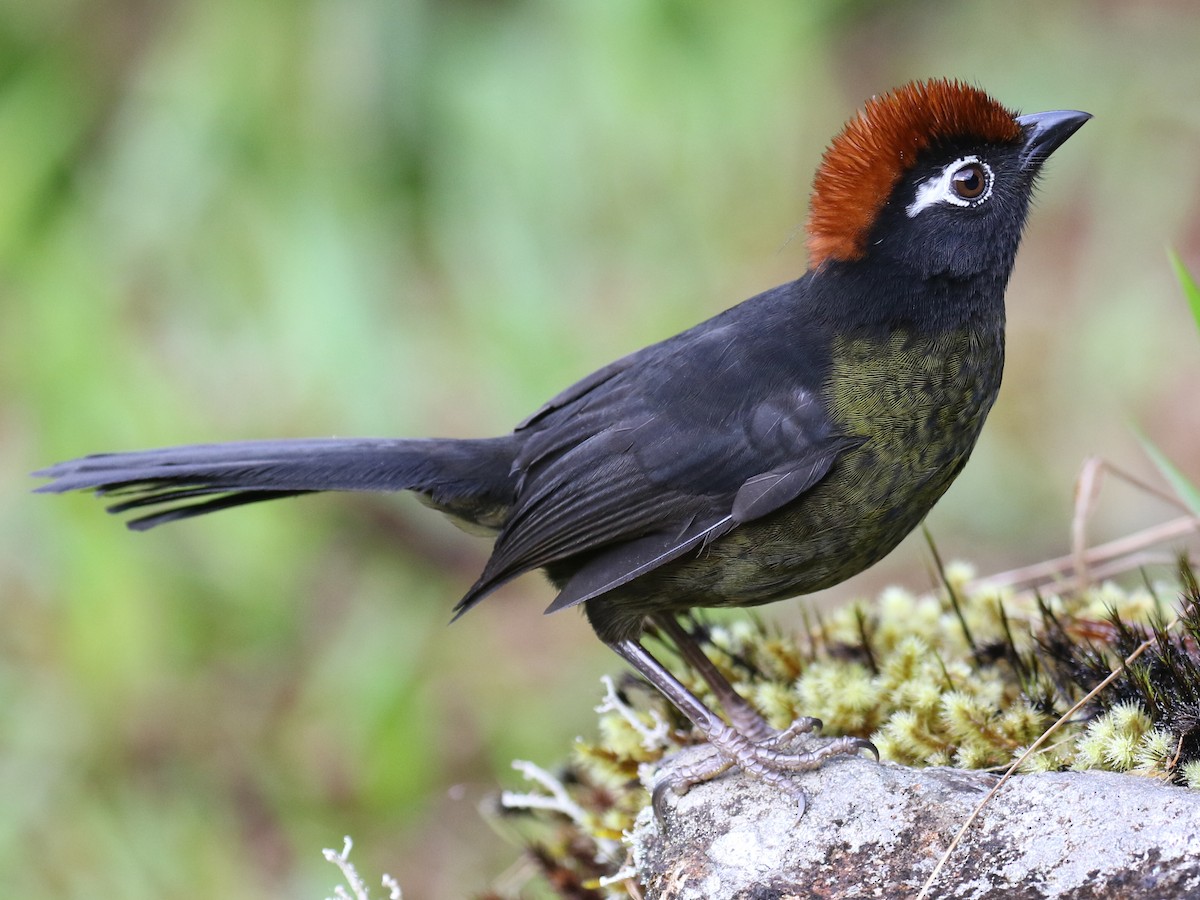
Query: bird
[775,449]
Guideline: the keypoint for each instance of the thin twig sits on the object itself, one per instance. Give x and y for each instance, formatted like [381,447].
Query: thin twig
[1056,569]
[1087,489]
[1033,748]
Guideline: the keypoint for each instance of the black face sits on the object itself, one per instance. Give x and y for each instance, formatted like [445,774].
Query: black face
[958,213]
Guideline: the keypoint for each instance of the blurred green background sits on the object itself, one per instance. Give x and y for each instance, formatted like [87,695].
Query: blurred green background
[265,218]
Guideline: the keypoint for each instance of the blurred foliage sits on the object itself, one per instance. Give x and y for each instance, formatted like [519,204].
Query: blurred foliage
[1183,488]
[1187,284]
[302,217]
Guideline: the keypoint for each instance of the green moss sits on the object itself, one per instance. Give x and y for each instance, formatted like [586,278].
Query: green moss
[969,677]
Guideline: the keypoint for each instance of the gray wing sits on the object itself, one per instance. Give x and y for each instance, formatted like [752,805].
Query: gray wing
[638,466]
[757,497]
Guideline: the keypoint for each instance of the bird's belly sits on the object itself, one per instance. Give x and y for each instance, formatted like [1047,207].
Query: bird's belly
[919,413]
[846,524]
[871,499]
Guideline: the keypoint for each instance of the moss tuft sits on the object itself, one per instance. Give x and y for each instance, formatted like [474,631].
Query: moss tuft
[969,676]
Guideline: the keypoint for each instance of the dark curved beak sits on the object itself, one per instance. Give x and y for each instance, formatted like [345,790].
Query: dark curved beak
[1045,132]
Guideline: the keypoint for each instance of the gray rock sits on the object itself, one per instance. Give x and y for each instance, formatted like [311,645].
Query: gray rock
[877,830]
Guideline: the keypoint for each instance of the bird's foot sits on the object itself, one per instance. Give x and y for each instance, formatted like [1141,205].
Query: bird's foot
[770,756]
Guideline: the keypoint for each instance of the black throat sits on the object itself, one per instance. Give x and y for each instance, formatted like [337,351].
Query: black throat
[879,296]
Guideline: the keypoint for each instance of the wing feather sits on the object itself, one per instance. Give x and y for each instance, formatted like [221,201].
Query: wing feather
[665,451]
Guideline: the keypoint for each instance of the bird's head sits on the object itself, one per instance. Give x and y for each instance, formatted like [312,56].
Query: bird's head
[935,176]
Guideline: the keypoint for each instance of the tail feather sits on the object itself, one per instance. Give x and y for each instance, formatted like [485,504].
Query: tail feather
[188,510]
[460,476]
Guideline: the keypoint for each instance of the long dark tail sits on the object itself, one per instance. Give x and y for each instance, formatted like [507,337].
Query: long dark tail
[471,479]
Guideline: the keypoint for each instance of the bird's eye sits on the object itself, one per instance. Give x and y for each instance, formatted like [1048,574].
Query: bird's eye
[965,182]
[970,181]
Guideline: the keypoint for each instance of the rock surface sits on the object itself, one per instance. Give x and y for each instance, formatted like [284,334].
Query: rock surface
[878,830]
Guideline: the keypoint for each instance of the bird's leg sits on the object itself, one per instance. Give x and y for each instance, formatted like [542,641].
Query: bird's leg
[744,717]
[760,758]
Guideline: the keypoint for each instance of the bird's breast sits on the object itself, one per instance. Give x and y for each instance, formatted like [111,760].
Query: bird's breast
[919,401]
[918,404]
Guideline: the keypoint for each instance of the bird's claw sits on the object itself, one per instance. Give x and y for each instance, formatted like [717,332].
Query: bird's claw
[863,744]
[770,759]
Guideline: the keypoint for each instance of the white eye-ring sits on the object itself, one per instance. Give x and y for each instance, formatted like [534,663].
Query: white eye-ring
[965,182]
